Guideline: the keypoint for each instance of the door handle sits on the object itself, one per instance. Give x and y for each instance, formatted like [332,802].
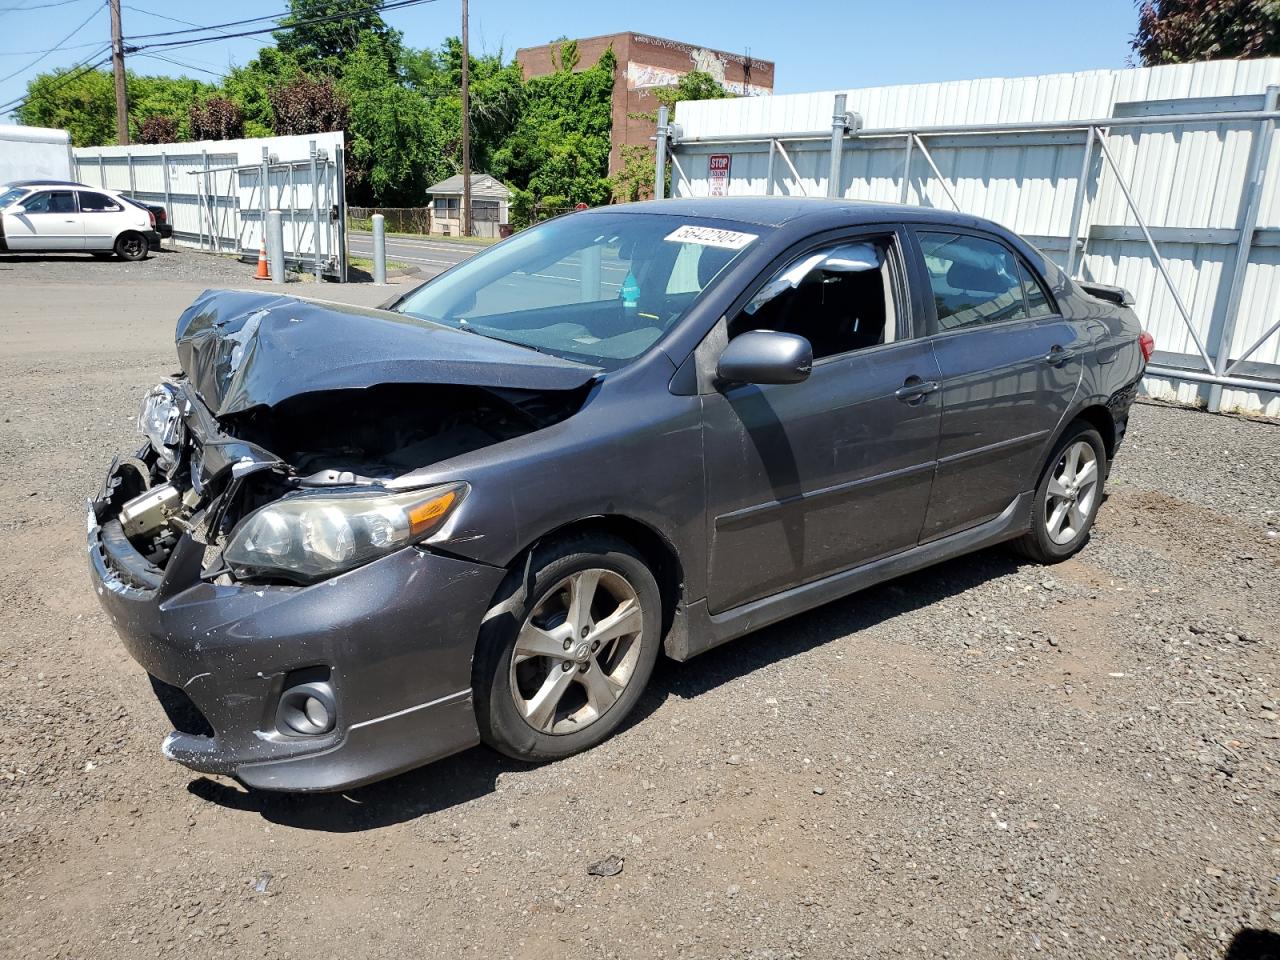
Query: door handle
[915,389]
[1058,355]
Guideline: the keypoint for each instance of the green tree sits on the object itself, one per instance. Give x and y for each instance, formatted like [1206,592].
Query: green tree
[1184,31]
[396,139]
[250,88]
[695,85]
[559,146]
[345,25]
[84,103]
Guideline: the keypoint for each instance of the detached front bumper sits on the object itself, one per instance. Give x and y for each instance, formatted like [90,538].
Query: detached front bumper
[396,637]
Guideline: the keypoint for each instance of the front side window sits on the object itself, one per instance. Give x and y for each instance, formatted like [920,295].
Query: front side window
[51,201]
[975,281]
[91,202]
[599,288]
[839,298]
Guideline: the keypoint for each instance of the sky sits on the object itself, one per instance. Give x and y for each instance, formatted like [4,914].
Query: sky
[815,44]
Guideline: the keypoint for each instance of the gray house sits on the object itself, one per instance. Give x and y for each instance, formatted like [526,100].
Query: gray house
[490,200]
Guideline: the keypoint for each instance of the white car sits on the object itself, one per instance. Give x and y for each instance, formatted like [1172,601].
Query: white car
[54,217]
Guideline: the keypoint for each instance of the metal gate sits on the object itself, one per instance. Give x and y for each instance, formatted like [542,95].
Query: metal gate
[217,200]
[1095,172]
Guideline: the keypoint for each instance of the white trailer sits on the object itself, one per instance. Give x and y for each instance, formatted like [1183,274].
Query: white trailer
[34,153]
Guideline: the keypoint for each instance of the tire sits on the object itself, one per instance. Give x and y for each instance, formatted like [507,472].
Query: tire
[1061,522]
[131,246]
[551,702]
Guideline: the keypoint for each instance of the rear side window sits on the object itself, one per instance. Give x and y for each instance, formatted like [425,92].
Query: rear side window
[1038,302]
[975,281]
[98,203]
[51,201]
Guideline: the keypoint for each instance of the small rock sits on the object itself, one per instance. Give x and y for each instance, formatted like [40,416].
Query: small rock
[819,790]
[261,885]
[610,866]
[733,760]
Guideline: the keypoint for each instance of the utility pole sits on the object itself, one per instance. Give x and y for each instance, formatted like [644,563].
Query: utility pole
[117,66]
[466,126]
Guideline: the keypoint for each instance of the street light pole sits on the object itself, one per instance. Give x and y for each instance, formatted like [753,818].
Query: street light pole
[466,126]
[117,67]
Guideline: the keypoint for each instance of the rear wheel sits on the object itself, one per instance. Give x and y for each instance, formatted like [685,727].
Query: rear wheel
[566,653]
[1067,498]
[131,246]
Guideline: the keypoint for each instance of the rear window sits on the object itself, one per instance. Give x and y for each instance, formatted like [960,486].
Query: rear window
[975,281]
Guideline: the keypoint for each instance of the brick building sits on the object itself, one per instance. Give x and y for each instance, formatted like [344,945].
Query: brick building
[646,63]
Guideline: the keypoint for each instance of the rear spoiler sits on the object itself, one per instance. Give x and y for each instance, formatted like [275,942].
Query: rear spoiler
[1117,295]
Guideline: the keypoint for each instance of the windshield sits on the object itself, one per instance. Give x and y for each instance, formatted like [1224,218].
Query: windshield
[11,196]
[598,288]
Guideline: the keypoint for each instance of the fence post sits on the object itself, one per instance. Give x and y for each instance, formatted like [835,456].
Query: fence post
[315,213]
[660,157]
[379,249]
[275,245]
[1250,207]
[1077,203]
[839,123]
[168,202]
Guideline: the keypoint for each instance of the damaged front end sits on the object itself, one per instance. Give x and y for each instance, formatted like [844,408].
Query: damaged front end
[254,559]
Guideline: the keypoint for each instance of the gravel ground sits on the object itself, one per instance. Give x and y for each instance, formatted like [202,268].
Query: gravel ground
[985,759]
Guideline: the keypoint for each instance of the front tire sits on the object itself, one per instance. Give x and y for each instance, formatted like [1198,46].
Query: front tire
[131,246]
[1067,497]
[565,653]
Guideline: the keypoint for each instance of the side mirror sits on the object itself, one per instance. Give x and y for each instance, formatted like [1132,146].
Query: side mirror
[17,210]
[766,356]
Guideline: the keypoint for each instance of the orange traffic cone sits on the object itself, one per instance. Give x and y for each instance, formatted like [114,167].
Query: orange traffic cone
[263,273]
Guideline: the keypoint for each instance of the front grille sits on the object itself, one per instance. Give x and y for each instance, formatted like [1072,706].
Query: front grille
[180,709]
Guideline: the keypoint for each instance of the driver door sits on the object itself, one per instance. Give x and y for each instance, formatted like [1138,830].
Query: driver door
[51,220]
[808,479]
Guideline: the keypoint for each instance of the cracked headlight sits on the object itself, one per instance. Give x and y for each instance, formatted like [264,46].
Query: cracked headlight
[316,535]
[160,421]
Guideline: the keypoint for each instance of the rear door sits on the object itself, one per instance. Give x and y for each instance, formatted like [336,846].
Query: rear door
[50,221]
[102,219]
[1010,367]
[808,479]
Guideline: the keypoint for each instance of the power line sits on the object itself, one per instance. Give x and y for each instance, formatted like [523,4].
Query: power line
[55,48]
[73,73]
[277,27]
[179,63]
[41,6]
[27,53]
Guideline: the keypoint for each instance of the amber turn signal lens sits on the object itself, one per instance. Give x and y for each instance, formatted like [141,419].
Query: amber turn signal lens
[426,516]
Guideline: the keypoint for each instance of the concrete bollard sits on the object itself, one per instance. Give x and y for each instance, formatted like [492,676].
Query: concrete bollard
[379,249]
[275,245]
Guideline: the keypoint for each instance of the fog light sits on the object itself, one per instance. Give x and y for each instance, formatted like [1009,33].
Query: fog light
[307,710]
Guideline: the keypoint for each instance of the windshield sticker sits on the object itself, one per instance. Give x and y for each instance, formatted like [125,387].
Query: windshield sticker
[711,237]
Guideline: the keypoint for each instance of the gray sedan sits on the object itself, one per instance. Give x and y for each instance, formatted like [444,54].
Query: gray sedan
[355,541]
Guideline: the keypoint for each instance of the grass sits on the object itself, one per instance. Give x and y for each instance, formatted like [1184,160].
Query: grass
[364,263]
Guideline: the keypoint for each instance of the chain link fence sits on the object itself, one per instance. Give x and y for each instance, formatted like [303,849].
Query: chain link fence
[399,219]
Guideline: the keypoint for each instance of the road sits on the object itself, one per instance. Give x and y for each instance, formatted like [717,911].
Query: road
[432,256]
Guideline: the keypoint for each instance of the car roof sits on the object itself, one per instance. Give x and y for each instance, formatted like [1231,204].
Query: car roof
[817,213]
[46,183]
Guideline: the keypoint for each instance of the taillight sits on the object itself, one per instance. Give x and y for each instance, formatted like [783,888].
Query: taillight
[153,219]
[1147,343]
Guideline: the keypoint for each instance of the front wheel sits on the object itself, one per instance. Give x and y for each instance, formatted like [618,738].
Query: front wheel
[565,654]
[1067,498]
[131,246]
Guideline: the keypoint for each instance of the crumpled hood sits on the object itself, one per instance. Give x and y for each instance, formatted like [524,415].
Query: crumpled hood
[242,349]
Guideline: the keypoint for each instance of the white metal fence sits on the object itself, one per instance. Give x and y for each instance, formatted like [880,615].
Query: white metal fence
[1167,178]
[217,192]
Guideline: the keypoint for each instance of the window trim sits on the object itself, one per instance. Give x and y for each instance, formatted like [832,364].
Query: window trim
[931,314]
[900,270]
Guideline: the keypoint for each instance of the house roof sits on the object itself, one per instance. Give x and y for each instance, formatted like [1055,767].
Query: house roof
[482,185]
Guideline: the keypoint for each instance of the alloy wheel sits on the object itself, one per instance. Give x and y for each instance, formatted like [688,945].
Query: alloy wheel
[576,652]
[1073,486]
